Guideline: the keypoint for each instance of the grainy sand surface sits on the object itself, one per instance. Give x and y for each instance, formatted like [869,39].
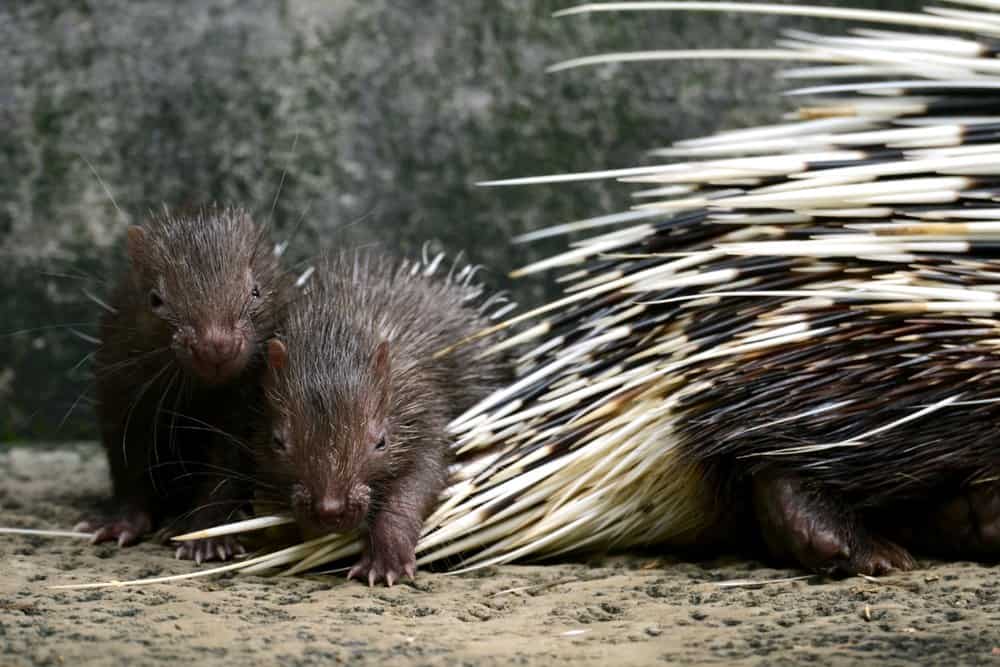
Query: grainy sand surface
[624,611]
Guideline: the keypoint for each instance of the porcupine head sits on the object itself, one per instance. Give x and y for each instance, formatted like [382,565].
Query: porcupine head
[330,435]
[205,286]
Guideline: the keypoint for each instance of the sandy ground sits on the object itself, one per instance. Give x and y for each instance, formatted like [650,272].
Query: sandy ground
[624,610]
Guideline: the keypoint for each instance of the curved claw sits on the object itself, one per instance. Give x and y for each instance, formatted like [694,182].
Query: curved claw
[209,549]
[125,528]
[383,568]
[358,571]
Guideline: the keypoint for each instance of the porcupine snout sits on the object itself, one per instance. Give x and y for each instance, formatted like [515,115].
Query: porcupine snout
[341,512]
[217,352]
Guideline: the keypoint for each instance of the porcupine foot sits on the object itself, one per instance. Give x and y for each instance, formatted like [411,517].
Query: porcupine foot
[803,525]
[389,555]
[126,526]
[220,548]
[967,525]
[212,548]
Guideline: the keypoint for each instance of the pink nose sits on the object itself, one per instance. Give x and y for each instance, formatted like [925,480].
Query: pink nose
[329,511]
[217,345]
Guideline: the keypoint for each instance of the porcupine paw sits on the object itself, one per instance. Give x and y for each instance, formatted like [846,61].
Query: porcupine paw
[849,549]
[801,524]
[984,506]
[221,548]
[877,556]
[126,527]
[965,526]
[385,560]
[209,549]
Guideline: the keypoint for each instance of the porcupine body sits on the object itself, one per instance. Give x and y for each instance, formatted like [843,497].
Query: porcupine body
[797,331]
[176,373]
[358,400]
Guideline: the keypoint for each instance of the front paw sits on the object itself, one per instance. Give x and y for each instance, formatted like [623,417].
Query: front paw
[220,548]
[127,526]
[211,548]
[385,561]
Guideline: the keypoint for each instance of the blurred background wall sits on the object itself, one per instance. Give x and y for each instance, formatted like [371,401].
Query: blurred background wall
[376,116]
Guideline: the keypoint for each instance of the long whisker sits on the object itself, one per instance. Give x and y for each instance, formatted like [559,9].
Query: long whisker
[78,365]
[212,470]
[47,327]
[72,408]
[156,414]
[236,503]
[172,442]
[104,185]
[135,402]
[281,183]
[209,428]
[108,369]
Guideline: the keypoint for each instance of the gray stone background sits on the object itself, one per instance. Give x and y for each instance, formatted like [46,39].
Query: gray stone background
[378,115]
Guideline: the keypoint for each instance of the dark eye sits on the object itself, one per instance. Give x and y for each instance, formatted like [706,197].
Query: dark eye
[255,292]
[380,445]
[155,300]
[278,442]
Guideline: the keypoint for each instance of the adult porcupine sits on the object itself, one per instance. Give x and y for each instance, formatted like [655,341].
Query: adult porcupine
[799,324]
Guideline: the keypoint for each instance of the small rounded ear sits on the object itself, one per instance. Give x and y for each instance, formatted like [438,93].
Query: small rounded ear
[136,243]
[381,364]
[277,354]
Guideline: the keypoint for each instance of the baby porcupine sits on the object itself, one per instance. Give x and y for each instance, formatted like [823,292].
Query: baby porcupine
[358,404]
[177,374]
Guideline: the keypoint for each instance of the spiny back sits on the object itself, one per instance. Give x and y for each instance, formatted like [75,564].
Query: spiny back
[357,299]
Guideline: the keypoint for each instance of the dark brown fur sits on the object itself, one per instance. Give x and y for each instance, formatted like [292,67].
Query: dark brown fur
[358,404]
[768,429]
[177,373]
[790,438]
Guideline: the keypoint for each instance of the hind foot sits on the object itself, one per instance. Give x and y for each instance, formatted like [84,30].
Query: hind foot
[211,548]
[126,527]
[967,526]
[802,525]
[222,548]
[984,509]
